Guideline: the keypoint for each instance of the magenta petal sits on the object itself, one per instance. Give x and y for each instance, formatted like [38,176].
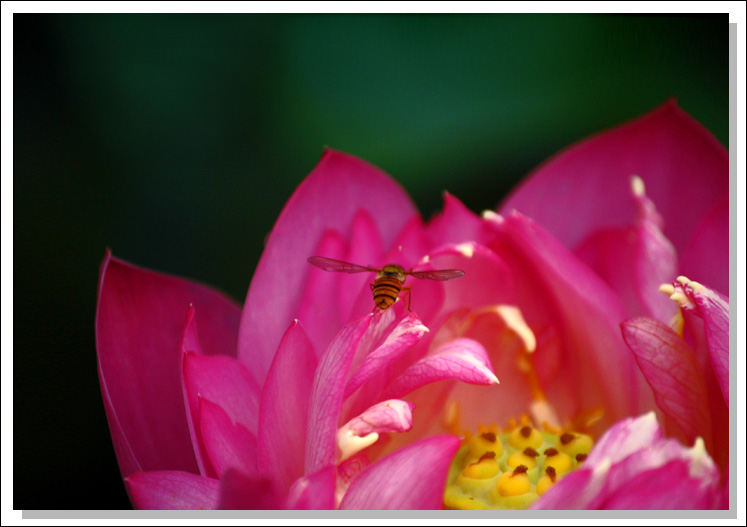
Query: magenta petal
[172,490]
[575,491]
[635,261]
[667,148]
[560,295]
[328,199]
[671,368]
[487,279]
[413,477]
[456,224]
[227,383]
[706,257]
[714,309]
[228,445]
[668,487]
[240,491]
[139,325]
[284,408]
[462,359]
[406,334]
[314,492]
[319,312]
[625,437]
[327,395]
[387,416]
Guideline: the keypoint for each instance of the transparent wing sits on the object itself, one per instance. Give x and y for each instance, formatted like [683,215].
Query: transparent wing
[338,266]
[440,274]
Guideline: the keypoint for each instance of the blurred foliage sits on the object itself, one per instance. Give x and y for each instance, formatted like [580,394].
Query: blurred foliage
[176,139]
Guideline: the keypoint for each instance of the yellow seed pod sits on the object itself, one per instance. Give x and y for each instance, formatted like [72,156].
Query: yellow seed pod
[486,468]
[544,484]
[560,461]
[574,444]
[482,443]
[524,437]
[528,458]
[514,483]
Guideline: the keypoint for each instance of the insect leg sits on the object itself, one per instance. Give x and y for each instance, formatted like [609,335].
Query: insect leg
[408,292]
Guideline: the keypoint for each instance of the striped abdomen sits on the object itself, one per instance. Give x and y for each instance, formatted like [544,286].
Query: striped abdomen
[385,291]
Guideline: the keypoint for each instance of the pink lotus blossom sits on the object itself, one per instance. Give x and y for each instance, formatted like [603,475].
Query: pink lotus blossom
[307,399]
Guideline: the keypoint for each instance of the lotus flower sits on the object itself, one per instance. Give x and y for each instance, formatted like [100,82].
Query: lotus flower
[307,399]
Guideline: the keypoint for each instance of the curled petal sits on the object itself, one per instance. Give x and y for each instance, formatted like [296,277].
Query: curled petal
[406,334]
[328,198]
[362,431]
[461,359]
[172,490]
[139,326]
[388,416]
[667,148]
[413,477]
[671,368]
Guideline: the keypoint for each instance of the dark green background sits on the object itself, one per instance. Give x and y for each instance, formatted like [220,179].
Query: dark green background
[176,139]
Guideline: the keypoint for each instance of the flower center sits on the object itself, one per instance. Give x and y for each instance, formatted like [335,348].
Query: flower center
[512,468]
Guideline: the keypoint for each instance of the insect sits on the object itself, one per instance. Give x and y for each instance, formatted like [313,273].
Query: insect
[389,279]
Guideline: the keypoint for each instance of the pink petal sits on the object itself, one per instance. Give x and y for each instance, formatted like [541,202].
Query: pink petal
[406,334]
[672,370]
[575,317]
[228,445]
[328,198]
[347,471]
[635,261]
[191,344]
[462,359]
[240,491]
[574,492]
[706,257]
[172,490]
[456,224]
[327,395]
[667,148]
[314,492]
[392,415]
[664,488]
[227,383]
[411,243]
[410,478]
[139,324]
[714,309]
[284,408]
[365,248]
[487,279]
[624,438]
[319,312]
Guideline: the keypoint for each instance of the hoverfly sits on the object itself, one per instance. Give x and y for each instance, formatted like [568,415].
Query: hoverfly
[389,279]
